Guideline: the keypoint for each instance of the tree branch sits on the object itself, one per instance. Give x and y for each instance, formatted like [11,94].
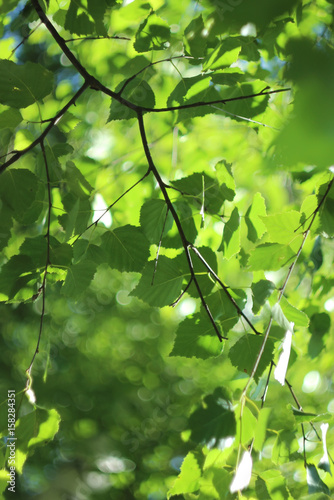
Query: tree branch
[18,154]
[177,221]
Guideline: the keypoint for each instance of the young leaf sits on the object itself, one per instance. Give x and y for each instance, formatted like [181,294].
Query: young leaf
[285,446]
[244,352]
[77,21]
[23,84]
[230,244]
[299,318]
[213,420]
[18,189]
[224,54]
[270,257]
[126,248]
[253,218]
[261,428]
[188,479]
[161,286]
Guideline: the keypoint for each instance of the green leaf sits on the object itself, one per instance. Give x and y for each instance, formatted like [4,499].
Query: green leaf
[77,20]
[10,118]
[18,189]
[326,210]
[184,212]
[261,428]
[320,324]
[154,220]
[224,54]
[160,287]
[79,277]
[126,248]
[213,420]
[261,292]
[282,228]
[314,482]
[225,179]
[188,479]
[230,244]
[270,257]
[280,318]
[224,311]
[196,337]
[153,34]
[202,190]
[204,279]
[244,352]
[285,446]
[302,416]
[138,92]
[32,430]
[274,485]
[299,318]
[254,218]
[24,84]
[15,274]
[194,41]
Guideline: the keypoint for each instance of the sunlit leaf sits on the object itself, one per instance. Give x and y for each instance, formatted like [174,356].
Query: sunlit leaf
[244,352]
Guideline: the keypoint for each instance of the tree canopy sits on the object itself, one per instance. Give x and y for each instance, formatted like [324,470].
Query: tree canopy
[166,268]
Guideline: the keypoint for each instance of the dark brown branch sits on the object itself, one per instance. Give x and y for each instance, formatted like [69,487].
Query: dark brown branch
[210,103]
[177,221]
[90,80]
[106,37]
[17,154]
[173,304]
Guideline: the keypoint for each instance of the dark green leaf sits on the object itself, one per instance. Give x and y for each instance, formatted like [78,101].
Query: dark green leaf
[314,482]
[160,287]
[261,292]
[194,41]
[213,420]
[153,34]
[10,118]
[244,352]
[23,85]
[285,447]
[225,54]
[154,220]
[79,277]
[254,218]
[196,337]
[18,189]
[320,324]
[126,248]
[202,190]
[230,244]
[138,92]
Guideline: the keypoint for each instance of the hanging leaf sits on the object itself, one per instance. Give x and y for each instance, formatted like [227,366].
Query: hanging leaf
[213,420]
[196,337]
[138,92]
[154,220]
[161,286]
[314,482]
[153,34]
[270,257]
[188,479]
[245,351]
[254,218]
[230,244]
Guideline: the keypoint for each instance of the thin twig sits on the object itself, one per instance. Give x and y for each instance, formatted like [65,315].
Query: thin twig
[173,304]
[210,103]
[159,246]
[113,204]
[47,263]
[18,154]
[169,59]
[101,37]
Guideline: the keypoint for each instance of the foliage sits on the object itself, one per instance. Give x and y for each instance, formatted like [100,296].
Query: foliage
[158,154]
